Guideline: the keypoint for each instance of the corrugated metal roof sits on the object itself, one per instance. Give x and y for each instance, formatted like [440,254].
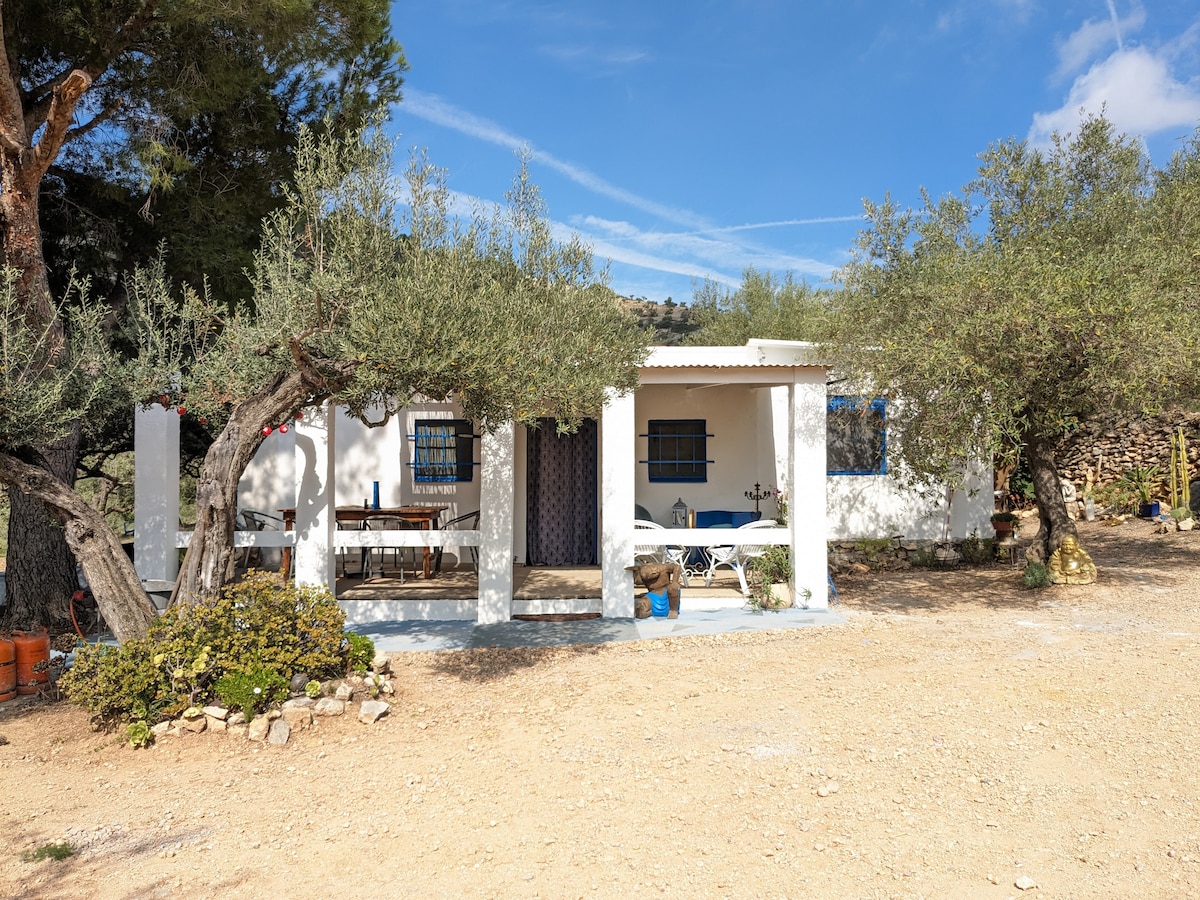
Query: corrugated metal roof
[755,353]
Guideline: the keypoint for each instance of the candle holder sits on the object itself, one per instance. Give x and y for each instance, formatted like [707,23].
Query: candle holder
[758,494]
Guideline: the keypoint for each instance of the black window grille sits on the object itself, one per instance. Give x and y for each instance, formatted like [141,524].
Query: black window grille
[677,450]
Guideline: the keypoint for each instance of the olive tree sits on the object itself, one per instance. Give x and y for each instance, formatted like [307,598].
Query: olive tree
[361,302]
[1054,289]
[763,306]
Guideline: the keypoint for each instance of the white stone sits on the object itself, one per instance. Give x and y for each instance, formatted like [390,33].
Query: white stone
[371,710]
[279,733]
[328,706]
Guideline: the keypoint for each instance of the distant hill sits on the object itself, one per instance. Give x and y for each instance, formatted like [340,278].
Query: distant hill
[670,321]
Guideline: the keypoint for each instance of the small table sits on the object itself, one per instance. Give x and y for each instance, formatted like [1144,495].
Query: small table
[425,516]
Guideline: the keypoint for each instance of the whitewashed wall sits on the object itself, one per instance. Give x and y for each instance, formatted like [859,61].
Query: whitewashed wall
[877,506]
[738,418]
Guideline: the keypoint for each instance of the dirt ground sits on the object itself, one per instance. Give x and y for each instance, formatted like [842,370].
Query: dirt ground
[957,737]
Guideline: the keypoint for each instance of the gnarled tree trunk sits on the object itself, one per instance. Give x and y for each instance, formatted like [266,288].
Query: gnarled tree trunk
[1054,523]
[210,558]
[110,573]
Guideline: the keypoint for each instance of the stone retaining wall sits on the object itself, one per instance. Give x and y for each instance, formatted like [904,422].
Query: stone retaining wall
[1113,448]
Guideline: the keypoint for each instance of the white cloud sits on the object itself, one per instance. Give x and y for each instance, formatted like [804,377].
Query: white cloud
[1138,94]
[1094,37]
[580,55]
[432,108]
[690,253]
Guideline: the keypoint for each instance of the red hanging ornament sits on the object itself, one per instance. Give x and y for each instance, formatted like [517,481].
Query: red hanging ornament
[163,399]
[283,429]
[266,430]
[299,415]
[182,410]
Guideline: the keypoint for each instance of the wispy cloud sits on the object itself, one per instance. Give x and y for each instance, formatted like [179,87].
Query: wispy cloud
[698,252]
[434,109]
[609,58]
[625,242]
[1137,92]
[1094,37]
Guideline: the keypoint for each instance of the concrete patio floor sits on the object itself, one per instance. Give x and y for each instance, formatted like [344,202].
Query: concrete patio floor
[718,609]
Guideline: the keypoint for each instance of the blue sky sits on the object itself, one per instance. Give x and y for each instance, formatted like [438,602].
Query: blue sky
[691,140]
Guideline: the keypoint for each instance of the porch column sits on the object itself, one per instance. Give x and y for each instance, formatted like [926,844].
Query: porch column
[496,476]
[618,451]
[155,492]
[313,555]
[807,506]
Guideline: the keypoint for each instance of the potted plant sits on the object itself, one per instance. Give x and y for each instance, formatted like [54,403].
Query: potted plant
[1004,523]
[771,577]
[1144,481]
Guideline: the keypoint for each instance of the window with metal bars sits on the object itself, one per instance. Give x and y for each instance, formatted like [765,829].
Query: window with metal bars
[677,450]
[443,450]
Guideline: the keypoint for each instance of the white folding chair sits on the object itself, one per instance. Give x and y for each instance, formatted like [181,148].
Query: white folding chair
[736,556]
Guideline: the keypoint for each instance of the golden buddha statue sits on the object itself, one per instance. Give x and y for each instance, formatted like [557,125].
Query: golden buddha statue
[1070,563]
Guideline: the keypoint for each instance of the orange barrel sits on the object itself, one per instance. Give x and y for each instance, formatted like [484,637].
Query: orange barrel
[33,660]
[8,669]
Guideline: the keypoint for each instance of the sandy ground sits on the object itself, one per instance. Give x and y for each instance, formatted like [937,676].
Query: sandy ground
[960,735]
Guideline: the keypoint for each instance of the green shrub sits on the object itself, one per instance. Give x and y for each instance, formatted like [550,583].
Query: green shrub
[923,558]
[117,684]
[976,550]
[1035,575]
[360,652]
[252,691]
[56,851]
[253,626]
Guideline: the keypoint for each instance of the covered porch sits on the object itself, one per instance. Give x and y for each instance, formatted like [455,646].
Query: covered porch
[766,402]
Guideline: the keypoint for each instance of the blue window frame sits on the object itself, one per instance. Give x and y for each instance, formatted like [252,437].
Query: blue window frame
[856,436]
[443,450]
[677,450]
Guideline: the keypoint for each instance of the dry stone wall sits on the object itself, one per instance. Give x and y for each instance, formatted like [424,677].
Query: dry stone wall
[1113,448]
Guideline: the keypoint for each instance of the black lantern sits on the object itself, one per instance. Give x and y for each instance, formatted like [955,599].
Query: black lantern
[679,514]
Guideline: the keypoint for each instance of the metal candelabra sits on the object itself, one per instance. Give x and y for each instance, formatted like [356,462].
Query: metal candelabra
[758,494]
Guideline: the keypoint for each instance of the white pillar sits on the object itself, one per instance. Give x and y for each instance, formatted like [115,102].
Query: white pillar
[313,555]
[155,492]
[618,451]
[496,476]
[806,510]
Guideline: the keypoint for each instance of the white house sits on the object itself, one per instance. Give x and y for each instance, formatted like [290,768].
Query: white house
[705,426]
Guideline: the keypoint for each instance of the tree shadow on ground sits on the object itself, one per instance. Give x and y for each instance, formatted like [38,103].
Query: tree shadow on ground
[1127,554]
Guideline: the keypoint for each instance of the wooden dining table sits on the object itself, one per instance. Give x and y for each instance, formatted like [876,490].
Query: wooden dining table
[426,518]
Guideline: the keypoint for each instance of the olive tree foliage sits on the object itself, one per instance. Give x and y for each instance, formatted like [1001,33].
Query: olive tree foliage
[55,382]
[763,306]
[181,109]
[1052,290]
[369,305]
